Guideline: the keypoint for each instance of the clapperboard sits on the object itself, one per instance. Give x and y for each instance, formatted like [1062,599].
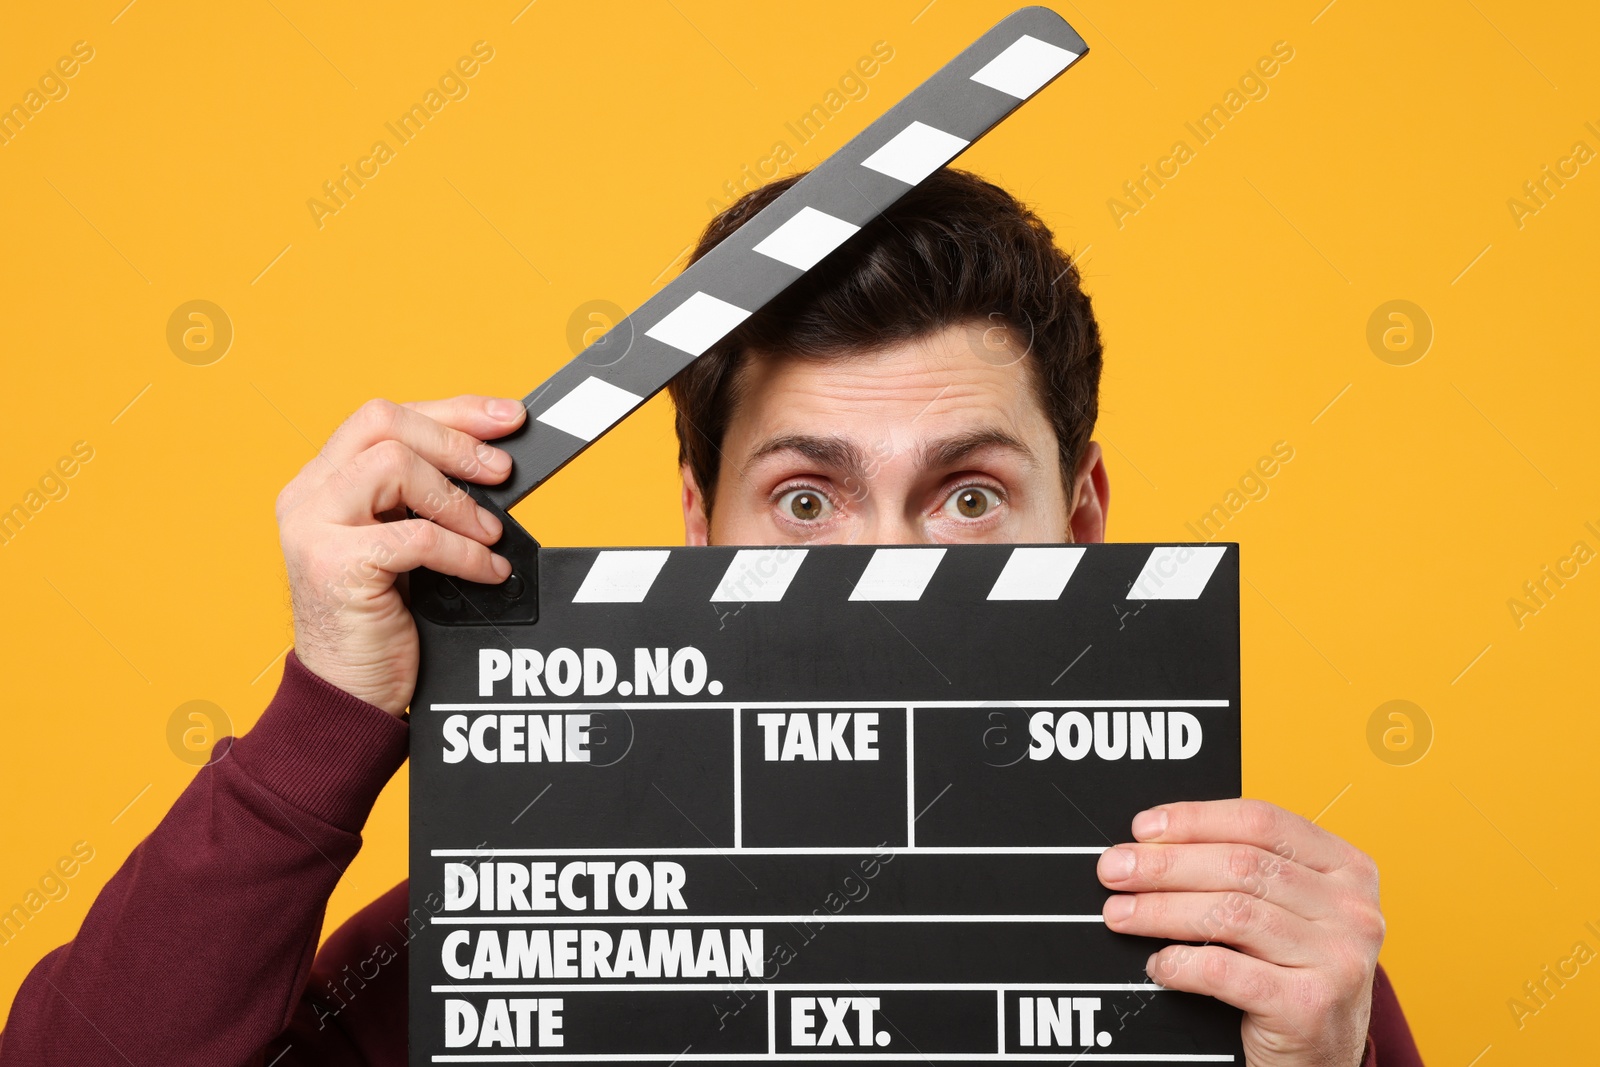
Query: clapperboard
[840,803]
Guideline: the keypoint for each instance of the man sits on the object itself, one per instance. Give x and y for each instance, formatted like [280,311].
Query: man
[934,380]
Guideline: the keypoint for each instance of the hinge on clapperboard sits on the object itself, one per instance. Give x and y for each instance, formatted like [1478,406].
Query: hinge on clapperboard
[638,356]
[454,601]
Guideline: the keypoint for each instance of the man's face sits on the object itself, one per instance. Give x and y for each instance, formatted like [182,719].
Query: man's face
[940,440]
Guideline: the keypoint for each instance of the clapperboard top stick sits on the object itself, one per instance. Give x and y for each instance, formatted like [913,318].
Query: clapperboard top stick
[638,356]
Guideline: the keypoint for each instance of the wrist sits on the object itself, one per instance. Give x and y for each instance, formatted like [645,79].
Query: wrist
[373,686]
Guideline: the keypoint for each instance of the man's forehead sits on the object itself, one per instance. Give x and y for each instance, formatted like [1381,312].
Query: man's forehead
[846,452]
[944,391]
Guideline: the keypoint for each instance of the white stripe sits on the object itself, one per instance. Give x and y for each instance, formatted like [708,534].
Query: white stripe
[914,153]
[897,574]
[1000,1019]
[815,705]
[911,779]
[590,409]
[738,783]
[1022,69]
[480,986]
[585,919]
[621,577]
[758,575]
[1036,573]
[1064,1056]
[1177,572]
[921,850]
[697,323]
[806,238]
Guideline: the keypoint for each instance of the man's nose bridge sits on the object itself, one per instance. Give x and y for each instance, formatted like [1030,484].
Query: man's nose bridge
[890,527]
[890,473]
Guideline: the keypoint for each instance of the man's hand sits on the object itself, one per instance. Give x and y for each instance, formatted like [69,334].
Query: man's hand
[1288,913]
[346,538]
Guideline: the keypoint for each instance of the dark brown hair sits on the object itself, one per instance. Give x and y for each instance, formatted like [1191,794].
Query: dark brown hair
[955,249]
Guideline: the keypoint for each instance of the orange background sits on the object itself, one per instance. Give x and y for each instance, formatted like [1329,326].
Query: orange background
[1235,301]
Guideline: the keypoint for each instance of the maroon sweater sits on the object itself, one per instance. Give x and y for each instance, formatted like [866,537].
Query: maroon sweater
[202,949]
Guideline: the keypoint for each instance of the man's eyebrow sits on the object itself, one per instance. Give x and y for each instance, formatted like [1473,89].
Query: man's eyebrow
[839,453]
[952,451]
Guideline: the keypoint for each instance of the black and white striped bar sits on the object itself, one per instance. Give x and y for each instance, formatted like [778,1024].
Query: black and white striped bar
[638,356]
[764,575]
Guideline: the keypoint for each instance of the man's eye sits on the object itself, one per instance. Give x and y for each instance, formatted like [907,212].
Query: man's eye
[807,505]
[972,501]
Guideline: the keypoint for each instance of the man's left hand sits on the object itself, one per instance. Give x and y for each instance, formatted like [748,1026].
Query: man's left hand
[1288,914]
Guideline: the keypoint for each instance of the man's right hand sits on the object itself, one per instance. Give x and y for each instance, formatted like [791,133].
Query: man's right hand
[346,538]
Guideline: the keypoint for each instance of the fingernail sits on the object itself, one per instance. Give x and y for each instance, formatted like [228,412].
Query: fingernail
[1148,824]
[1117,864]
[1150,966]
[490,524]
[1118,908]
[502,567]
[493,458]
[503,409]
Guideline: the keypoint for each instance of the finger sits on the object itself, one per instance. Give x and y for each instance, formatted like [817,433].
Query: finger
[447,448]
[1259,927]
[1250,822]
[484,417]
[1236,868]
[1250,985]
[388,476]
[413,543]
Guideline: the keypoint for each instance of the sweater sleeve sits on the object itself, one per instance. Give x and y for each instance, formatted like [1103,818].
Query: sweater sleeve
[355,1003]
[199,948]
[1389,1041]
